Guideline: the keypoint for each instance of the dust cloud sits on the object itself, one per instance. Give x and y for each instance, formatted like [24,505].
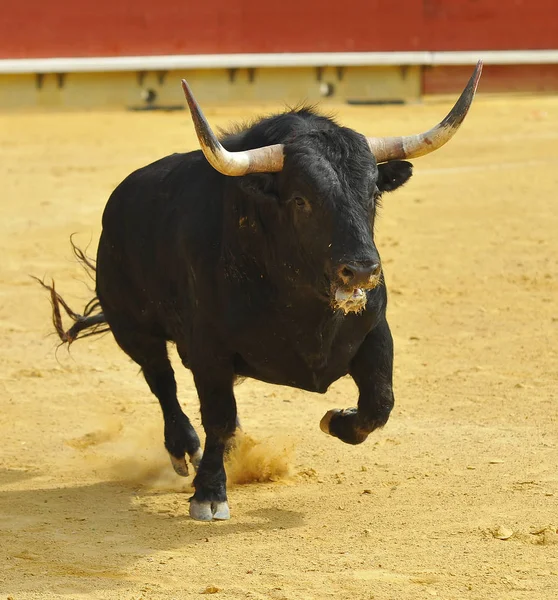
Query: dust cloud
[132,456]
[138,457]
[252,460]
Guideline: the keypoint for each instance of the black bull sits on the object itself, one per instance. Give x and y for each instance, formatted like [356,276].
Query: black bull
[256,259]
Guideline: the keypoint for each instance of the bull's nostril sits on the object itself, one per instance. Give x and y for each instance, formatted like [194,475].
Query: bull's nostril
[347,273]
[360,273]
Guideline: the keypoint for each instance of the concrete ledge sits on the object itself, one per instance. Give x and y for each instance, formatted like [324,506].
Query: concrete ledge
[156,89]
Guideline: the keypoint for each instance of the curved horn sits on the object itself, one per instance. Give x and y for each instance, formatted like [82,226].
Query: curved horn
[413,146]
[268,159]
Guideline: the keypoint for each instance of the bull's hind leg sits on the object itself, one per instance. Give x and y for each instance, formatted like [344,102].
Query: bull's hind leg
[180,436]
[151,354]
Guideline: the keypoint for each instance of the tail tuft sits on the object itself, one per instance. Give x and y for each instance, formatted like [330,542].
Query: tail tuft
[91,322]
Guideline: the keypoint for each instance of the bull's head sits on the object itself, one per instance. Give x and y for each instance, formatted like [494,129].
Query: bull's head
[330,178]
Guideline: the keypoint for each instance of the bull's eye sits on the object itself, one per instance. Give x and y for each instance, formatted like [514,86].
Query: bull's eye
[300,201]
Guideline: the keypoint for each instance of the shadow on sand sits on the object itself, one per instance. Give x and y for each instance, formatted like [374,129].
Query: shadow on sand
[99,531]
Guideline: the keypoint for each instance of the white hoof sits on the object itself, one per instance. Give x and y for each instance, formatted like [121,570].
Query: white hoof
[207,511]
[222,512]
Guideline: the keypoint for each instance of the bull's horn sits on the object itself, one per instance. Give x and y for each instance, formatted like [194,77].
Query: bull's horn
[413,146]
[268,159]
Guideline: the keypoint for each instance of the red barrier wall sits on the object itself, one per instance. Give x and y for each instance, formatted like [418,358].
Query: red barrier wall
[495,79]
[56,28]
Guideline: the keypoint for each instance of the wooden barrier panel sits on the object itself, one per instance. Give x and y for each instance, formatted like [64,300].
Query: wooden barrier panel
[59,28]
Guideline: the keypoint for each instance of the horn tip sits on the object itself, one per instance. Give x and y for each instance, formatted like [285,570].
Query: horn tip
[477,74]
[189,97]
[185,87]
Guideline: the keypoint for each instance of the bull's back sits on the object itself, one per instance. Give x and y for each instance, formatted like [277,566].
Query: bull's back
[154,226]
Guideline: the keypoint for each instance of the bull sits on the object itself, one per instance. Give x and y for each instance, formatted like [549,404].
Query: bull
[255,255]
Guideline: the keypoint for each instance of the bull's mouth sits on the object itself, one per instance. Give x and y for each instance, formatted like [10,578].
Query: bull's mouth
[353,299]
[350,300]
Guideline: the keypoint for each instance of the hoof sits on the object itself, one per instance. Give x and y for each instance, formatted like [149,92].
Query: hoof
[324,423]
[179,465]
[222,512]
[346,425]
[195,458]
[207,511]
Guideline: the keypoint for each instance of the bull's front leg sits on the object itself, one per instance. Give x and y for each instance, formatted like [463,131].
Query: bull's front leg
[372,371]
[218,411]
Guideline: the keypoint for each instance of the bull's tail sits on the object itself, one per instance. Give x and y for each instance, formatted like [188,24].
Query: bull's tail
[91,322]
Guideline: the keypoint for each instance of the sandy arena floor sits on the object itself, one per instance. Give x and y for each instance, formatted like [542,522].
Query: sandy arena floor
[456,498]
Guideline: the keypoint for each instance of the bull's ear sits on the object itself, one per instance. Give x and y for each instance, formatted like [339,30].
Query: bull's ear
[261,186]
[393,174]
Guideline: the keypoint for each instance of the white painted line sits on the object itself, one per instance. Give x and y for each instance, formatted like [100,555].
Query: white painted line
[310,59]
[205,61]
[496,57]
